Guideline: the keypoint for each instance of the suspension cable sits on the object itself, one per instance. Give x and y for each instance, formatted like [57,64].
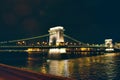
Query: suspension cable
[73,39]
[25,39]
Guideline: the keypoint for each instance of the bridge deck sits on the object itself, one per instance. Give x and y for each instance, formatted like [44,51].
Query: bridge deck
[13,73]
[48,47]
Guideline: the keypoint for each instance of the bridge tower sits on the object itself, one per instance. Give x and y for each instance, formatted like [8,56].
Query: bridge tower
[56,37]
[109,45]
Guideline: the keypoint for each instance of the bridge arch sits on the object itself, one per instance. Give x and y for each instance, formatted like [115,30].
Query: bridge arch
[108,43]
[56,36]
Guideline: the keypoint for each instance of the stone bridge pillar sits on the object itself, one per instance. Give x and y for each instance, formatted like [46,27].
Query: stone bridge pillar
[56,37]
[108,43]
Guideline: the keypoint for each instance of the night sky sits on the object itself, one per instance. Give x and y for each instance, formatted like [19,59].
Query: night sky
[89,21]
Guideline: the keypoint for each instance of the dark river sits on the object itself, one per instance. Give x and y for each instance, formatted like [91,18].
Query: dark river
[100,67]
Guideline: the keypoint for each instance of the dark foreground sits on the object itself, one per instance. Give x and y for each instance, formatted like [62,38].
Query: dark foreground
[13,73]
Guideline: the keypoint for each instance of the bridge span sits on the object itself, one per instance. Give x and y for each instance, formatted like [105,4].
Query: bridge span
[56,40]
[49,47]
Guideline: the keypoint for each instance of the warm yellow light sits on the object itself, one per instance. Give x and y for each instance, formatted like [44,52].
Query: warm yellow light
[57,51]
[83,49]
[38,43]
[32,49]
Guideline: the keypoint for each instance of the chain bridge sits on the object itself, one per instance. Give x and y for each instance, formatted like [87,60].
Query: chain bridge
[55,39]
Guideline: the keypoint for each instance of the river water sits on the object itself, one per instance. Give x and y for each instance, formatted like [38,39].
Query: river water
[100,67]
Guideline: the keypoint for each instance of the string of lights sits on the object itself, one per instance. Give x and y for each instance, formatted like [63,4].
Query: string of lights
[25,39]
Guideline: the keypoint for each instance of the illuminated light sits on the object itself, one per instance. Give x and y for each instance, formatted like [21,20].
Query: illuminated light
[18,42]
[57,50]
[38,43]
[55,28]
[111,49]
[33,49]
[88,49]
[30,59]
[83,49]
[110,54]
[62,50]
[58,67]
[43,70]
[57,44]
[23,41]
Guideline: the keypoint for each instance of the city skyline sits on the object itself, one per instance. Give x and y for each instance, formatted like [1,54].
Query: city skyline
[87,21]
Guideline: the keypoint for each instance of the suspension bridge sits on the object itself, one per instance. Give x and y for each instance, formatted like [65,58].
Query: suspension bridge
[56,40]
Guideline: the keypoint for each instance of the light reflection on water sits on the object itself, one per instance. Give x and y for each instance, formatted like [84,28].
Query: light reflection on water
[102,67]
